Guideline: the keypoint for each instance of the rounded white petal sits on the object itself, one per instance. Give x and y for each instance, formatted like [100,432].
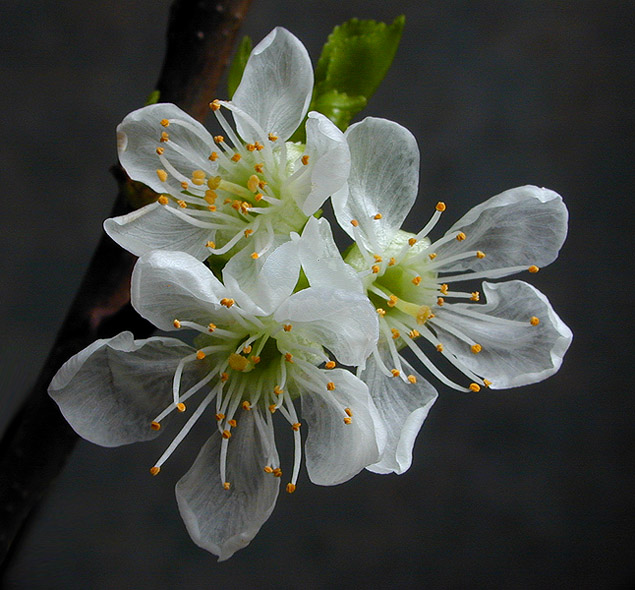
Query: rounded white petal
[158,227]
[111,391]
[328,165]
[174,285]
[336,451]
[520,227]
[342,321]
[321,260]
[513,352]
[384,179]
[403,407]
[224,521]
[187,149]
[275,90]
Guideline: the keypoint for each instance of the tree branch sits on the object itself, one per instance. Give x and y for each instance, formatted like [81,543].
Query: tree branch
[38,440]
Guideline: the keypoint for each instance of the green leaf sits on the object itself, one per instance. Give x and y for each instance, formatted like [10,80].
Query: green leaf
[238,65]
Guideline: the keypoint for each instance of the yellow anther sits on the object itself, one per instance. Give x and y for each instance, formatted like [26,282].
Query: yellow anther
[164,137]
[354,223]
[210,244]
[182,204]
[392,262]
[154,470]
[287,327]
[305,159]
[213,182]
[296,426]
[176,324]
[277,472]
[487,382]
[213,157]
[268,469]
[440,206]
[227,485]
[247,349]
[224,377]
[444,288]
[377,216]
[375,269]
[414,334]
[348,411]
[272,137]
[210,196]
[329,365]
[439,347]
[460,236]
[211,327]
[162,174]
[381,311]
[219,139]
[348,420]
[377,258]
[227,201]
[395,333]
[476,348]
[475,296]
[259,168]
[480,254]
[258,145]
[236,204]
[330,386]
[395,372]
[534,321]
[416,280]
[227,302]
[181,407]
[237,362]
[262,184]
[273,408]
[440,301]
[290,488]
[277,390]
[165,122]
[214,105]
[475,387]
[248,232]
[258,197]
[236,157]
[163,200]
[200,355]
[232,423]
[412,379]
[254,359]
[288,357]
[246,405]
[198,177]
[160,151]
[227,434]
[432,256]
[392,301]
[533,268]
[155,425]
[252,183]
[255,255]
[412,241]
[220,417]
[250,147]
[184,185]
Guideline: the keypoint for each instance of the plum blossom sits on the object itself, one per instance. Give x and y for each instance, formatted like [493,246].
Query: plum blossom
[503,336]
[241,189]
[259,347]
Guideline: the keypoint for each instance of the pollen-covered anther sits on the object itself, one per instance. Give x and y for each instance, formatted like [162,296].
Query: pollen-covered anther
[375,269]
[247,349]
[412,241]
[182,204]
[329,365]
[432,256]
[248,232]
[487,382]
[278,390]
[273,408]
[414,334]
[219,417]
[272,137]
[227,434]
[213,182]
[224,377]
[259,168]
[377,257]
[236,157]
[392,262]
[305,160]
[444,288]
[198,177]
[164,137]
[440,301]
[412,379]
[290,488]
[255,255]
[219,139]
[440,206]
[268,469]
[165,123]
[254,359]
[460,236]
[163,200]
[252,183]
[439,347]
[159,151]
[227,485]
[184,185]
[416,281]
[181,407]
[232,423]
[200,355]
[288,357]
[287,327]
[392,301]
[227,302]
[475,296]
[348,411]
[475,387]
[476,348]
[258,197]
[154,470]
[210,196]
[480,254]
[262,184]
[176,324]
[237,362]
[246,405]
[395,372]
[348,420]
[214,105]
[534,321]
[244,207]
[211,327]
[258,145]
[277,472]
[377,216]
[155,425]
[381,311]
[213,157]
[354,223]
[395,333]
[296,426]
[250,147]
[533,268]
[162,174]
[330,386]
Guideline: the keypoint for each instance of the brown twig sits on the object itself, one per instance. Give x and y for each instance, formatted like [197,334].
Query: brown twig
[38,441]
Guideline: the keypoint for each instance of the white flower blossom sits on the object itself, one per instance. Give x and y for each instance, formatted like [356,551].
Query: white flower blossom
[245,187]
[260,346]
[512,339]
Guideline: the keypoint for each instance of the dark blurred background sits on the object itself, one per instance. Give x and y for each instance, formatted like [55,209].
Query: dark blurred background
[528,488]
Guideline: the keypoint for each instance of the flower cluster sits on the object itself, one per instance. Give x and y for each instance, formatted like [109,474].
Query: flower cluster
[289,321]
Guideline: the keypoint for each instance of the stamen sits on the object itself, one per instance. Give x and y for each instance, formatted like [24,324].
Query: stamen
[305,160]
[162,174]
[330,365]
[534,321]
[330,386]
[533,268]
[227,485]
[155,425]
[290,488]
[155,470]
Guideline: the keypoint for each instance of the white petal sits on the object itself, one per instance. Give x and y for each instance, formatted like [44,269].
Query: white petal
[512,354]
[174,285]
[403,407]
[158,227]
[276,87]
[321,260]
[224,521]
[520,227]
[342,321]
[111,391]
[328,166]
[188,147]
[384,179]
[336,451]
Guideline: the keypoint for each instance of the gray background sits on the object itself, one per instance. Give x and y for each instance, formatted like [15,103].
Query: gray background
[528,488]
